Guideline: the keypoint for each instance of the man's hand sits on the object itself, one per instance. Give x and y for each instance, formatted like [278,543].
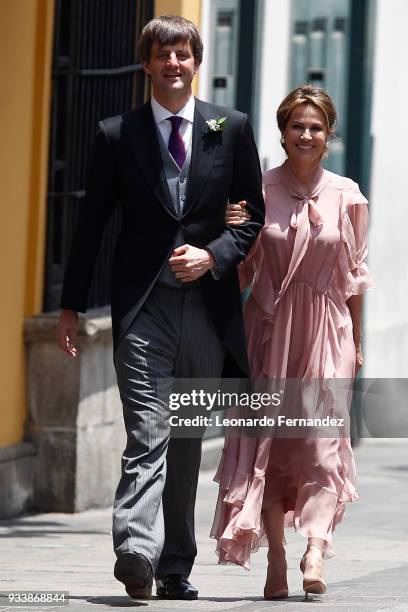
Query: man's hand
[67,331]
[188,263]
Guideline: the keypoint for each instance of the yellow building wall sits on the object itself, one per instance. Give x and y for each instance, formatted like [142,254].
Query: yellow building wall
[190,9]
[25,61]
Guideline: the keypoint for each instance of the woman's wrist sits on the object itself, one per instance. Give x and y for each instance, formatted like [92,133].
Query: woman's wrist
[357,339]
[357,331]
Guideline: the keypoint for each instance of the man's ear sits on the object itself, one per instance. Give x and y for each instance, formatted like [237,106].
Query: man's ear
[146,68]
[196,67]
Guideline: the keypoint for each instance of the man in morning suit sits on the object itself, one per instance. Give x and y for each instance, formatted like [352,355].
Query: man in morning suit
[176,308]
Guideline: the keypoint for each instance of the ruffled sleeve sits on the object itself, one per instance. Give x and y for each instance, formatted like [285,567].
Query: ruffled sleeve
[354,235]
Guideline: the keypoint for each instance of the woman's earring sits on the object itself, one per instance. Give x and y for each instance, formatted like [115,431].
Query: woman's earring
[325,152]
[282,140]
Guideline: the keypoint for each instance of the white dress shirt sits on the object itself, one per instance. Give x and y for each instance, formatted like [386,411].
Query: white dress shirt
[161,114]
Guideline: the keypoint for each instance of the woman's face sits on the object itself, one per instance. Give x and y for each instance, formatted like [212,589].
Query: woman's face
[305,134]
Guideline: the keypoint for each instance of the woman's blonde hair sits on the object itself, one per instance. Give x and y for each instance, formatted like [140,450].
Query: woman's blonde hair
[307,94]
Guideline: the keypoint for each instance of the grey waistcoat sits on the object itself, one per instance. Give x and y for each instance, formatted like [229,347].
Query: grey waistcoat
[177,181]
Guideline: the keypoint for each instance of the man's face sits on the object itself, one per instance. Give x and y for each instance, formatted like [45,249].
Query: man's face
[171,68]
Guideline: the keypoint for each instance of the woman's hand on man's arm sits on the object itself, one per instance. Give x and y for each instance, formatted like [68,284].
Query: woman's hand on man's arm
[237,214]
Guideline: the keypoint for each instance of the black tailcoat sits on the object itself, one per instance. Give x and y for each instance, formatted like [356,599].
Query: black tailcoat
[126,168]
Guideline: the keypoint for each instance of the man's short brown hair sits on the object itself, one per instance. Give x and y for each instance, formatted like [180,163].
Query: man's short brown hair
[170,30]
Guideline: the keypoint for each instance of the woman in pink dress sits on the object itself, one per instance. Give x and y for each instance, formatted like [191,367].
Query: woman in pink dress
[307,272]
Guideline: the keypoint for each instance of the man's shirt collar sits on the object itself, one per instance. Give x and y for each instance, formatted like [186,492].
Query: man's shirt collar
[160,113]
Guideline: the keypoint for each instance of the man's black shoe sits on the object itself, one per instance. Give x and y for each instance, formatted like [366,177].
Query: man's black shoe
[175,586]
[135,571]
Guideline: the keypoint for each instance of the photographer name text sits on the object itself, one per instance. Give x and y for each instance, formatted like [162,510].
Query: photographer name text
[280,421]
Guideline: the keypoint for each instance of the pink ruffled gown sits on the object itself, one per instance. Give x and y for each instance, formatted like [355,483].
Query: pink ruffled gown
[308,260]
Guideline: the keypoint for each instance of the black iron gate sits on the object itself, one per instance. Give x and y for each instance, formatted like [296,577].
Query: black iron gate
[95,75]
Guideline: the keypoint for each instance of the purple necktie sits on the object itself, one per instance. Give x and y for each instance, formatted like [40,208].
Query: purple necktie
[176,144]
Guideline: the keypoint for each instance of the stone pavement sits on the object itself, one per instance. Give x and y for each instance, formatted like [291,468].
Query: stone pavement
[370,571]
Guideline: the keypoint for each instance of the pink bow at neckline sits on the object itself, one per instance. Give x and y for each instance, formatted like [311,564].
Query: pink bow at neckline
[306,206]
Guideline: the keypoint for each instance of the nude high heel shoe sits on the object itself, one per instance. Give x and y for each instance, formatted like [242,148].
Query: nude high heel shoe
[311,566]
[276,586]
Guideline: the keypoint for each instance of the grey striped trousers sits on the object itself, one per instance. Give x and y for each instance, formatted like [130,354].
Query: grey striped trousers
[172,336]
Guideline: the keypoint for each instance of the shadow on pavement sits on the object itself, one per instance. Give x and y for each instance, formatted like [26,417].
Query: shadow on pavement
[115,601]
[126,602]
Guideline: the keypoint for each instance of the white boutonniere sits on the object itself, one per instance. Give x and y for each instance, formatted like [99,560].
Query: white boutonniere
[216,125]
